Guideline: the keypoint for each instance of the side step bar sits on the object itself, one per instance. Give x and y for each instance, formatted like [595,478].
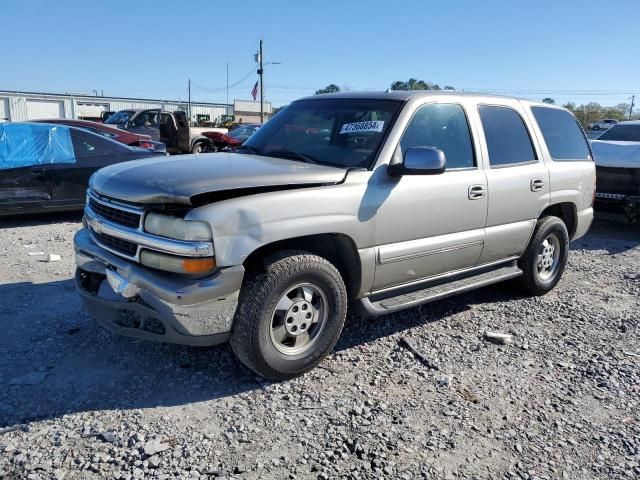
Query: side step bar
[431,294]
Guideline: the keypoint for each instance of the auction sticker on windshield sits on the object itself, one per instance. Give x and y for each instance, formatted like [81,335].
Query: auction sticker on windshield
[357,127]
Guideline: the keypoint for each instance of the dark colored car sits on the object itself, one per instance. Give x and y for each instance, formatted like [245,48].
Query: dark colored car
[122,136]
[46,167]
[617,156]
[234,138]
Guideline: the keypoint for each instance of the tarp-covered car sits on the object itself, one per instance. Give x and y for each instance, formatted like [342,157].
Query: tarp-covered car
[47,167]
[617,156]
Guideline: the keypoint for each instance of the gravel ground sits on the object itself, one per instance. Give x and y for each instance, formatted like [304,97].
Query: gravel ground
[560,401]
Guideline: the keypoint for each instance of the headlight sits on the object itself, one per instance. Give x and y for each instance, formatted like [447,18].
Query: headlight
[171,263]
[177,228]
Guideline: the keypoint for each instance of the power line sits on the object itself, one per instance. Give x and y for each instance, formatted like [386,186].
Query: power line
[221,89]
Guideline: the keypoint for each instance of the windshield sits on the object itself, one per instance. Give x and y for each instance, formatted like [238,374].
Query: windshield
[120,117]
[242,133]
[339,132]
[622,133]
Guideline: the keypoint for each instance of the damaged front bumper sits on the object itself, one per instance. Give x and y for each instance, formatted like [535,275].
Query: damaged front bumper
[132,300]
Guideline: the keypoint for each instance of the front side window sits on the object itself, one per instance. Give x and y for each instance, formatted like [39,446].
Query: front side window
[146,119]
[622,133]
[507,137]
[442,126]
[562,134]
[341,132]
[120,117]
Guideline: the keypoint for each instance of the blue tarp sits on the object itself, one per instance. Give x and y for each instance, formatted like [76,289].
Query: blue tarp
[26,144]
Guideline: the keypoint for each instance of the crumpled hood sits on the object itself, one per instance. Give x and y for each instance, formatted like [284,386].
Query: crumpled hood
[178,178]
[616,154]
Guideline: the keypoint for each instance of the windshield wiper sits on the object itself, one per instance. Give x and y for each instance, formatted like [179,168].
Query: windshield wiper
[292,155]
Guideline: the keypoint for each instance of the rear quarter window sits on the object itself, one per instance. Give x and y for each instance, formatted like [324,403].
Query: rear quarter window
[562,134]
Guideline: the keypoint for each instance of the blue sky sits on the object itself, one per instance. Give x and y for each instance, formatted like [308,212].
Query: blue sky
[569,50]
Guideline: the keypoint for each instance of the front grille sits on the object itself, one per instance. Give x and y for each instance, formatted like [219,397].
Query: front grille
[114,214]
[117,244]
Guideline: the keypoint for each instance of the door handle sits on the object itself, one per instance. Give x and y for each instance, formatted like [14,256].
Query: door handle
[536,184]
[38,170]
[477,191]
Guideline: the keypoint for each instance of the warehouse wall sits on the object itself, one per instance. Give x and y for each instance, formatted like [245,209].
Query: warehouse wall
[17,105]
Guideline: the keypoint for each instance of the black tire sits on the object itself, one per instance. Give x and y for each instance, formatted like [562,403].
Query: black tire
[197,148]
[252,340]
[537,280]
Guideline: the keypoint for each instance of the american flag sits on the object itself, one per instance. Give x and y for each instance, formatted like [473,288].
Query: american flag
[254,92]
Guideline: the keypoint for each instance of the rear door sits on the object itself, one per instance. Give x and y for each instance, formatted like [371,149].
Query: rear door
[92,152]
[517,177]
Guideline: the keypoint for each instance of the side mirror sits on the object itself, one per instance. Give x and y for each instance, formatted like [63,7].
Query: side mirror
[420,161]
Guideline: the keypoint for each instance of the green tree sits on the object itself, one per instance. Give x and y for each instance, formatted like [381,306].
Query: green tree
[549,100]
[413,84]
[333,88]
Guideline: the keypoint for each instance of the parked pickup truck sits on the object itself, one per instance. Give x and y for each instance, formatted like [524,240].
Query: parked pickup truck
[377,201]
[603,124]
[171,128]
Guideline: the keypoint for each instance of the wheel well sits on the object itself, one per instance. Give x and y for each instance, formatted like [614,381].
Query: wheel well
[337,248]
[567,212]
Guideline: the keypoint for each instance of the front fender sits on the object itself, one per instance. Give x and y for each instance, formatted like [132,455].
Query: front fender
[242,225]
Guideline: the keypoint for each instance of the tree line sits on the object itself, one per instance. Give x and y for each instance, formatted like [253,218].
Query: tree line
[592,111]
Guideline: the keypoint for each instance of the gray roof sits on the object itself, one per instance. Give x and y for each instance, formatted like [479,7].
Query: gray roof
[404,94]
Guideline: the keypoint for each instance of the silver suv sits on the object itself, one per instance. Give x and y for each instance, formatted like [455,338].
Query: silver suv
[378,201]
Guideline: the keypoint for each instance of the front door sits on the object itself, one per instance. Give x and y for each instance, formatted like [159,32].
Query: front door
[431,224]
[518,182]
[183,131]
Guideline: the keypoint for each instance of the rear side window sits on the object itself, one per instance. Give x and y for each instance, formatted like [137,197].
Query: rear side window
[507,137]
[562,134]
[443,126]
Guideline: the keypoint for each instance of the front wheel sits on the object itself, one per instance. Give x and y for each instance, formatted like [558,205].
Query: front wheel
[546,256]
[290,316]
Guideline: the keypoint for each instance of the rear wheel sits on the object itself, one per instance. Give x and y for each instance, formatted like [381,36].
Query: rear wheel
[546,256]
[197,148]
[290,316]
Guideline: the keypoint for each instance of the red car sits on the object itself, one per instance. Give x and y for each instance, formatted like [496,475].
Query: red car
[122,136]
[234,138]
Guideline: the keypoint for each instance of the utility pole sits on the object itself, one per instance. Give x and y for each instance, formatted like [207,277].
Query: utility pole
[633,102]
[227,85]
[260,73]
[189,103]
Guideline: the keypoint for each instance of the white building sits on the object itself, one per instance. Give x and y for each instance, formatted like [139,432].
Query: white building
[20,106]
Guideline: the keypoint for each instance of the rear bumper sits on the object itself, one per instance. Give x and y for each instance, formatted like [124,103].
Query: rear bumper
[629,204]
[165,307]
[584,220]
